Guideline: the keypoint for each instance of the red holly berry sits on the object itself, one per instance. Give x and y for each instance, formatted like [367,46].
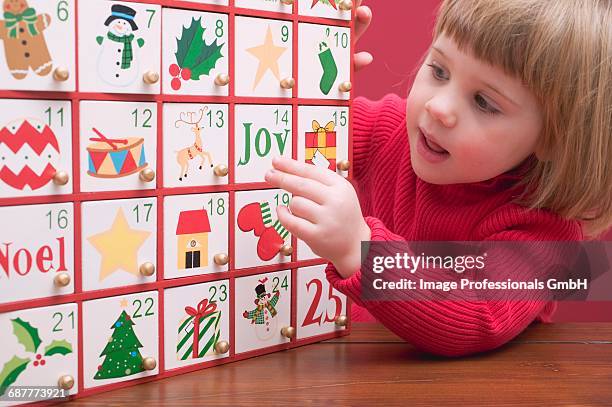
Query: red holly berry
[39,356]
[174,70]
[42,362]
[35,363]
[176,83]
[186,74]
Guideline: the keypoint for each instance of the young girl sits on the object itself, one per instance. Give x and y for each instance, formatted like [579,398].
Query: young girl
[505,136]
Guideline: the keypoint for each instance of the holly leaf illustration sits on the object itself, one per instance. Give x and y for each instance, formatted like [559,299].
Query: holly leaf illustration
[26,334]
[190,42]
[193,52]
[207,60]
[11,371]
[62,347]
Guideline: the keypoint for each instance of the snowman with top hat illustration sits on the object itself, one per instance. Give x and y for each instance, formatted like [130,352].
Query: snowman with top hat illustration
[263,317]
[118,58]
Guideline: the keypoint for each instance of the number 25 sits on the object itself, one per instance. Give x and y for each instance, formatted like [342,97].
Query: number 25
[310,315]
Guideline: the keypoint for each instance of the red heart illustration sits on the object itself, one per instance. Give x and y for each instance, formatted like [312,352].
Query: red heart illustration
[250,218]
[269,244]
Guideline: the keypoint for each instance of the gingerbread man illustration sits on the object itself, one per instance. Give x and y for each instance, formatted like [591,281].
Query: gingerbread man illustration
[24,42]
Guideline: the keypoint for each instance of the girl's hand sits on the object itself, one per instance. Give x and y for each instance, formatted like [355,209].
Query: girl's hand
[362,22]
[324,212]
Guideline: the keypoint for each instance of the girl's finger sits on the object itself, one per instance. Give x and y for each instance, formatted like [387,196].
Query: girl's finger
[362,59]
[305,208]
[298,227]
[297,185]
[304,170]
[362,21]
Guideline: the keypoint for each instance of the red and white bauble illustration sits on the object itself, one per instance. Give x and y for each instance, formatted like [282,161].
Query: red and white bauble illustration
[29,154]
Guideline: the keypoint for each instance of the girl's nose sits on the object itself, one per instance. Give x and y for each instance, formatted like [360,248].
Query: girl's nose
[440,109]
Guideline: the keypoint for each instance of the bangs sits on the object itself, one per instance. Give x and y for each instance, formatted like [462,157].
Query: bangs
[498,32]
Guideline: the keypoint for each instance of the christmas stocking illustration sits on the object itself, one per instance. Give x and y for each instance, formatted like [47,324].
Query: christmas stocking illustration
[25,46]
[254,216]
[330,69]
[271,241]
[258,218]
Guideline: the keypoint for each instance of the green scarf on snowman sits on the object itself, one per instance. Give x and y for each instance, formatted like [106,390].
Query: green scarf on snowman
[127,56]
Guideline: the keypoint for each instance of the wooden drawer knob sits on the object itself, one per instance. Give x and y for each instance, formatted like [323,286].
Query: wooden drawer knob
[344,165]
[287,83]
[221,170]
[221,259]
[61,178]
[222,347]
[147,269]
[345,87]
[66,382]
[222,79]
[150,77]
[286,250]
[147,175]
[62,279]
[345,5]
[149,363]
[287,2]
[61,74]
[288,332]
[342,320]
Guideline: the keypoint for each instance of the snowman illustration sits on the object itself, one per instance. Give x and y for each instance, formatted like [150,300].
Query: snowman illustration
[263,316]
[118,58]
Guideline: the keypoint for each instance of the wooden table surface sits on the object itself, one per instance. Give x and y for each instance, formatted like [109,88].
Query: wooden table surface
[548,365]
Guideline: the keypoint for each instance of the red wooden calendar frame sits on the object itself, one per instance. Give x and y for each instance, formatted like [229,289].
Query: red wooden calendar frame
[77,197]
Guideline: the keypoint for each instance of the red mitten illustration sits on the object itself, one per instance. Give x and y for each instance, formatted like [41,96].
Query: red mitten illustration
[251,218]
[269,244]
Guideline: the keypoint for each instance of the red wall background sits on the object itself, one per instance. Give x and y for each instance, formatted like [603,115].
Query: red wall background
[398,37]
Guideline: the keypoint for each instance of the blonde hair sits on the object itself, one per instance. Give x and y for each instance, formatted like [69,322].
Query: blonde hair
[562,51]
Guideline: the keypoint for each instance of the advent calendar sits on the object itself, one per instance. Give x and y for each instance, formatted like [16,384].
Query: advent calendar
[138,238]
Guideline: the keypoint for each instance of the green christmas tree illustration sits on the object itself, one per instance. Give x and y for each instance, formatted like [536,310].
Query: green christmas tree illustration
[122,357]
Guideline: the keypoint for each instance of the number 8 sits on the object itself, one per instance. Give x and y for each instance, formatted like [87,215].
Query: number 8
[219,29]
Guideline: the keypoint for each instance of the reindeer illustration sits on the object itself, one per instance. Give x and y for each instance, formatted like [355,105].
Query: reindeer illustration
[187,154]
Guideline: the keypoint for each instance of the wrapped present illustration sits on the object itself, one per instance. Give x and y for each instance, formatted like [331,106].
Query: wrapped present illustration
[205,321]
[321,145]
[115,158]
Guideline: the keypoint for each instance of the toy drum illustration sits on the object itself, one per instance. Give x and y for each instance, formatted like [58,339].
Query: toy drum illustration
[115,158]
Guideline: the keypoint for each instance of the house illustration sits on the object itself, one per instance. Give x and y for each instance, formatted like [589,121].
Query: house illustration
[192,239]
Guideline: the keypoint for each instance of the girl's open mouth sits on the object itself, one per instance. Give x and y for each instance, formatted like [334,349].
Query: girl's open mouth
[430,150]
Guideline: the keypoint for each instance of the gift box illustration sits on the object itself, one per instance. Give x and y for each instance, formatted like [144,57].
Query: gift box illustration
[321,145]
[203,320]
[115,158]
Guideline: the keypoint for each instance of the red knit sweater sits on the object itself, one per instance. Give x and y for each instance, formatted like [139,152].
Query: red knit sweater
[397,205]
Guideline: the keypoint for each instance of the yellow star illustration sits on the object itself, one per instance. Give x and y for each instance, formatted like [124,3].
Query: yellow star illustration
[268,55]
[123,303]
[119,246]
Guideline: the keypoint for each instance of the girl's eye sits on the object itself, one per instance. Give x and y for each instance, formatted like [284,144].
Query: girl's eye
[437,72]
[484,105]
